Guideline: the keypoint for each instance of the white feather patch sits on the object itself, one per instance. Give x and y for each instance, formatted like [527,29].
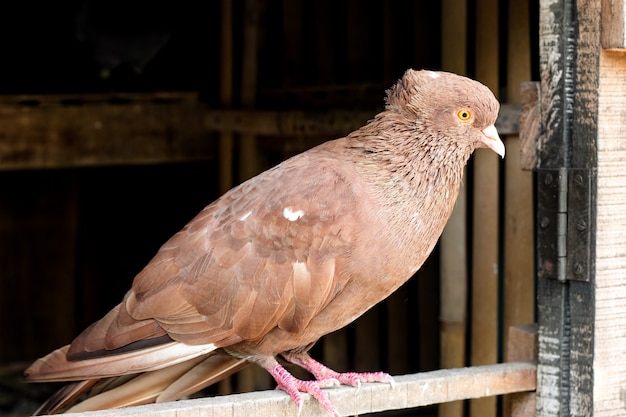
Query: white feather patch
[245,216]
[291,214]
[433,74]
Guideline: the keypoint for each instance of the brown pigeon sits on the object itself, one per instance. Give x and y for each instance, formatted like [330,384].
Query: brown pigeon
[290,255]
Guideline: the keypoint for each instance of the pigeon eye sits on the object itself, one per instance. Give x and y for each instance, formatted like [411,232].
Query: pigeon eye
[464,114]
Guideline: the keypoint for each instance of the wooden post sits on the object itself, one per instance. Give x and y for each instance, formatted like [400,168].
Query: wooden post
[485,239]
[249,164]
[252,377]
[226,139]
[576,376]
[522,346]
[453,241]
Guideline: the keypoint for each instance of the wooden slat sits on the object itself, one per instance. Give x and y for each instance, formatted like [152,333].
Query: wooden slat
[410,391]
[252,377]
[485,198]
[397,331]
[519,289]
[37,262]
[522,347]
[453,272]
[226,140]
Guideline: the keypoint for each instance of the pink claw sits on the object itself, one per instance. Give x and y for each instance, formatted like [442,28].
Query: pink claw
[293,386]
[321,372]
[324,378]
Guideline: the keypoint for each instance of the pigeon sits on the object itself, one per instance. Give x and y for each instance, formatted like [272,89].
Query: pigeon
[297,252]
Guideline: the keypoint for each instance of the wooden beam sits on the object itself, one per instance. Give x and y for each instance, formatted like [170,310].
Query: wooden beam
[410,391]
[108,129]
[94,130]
[332,123]
[41,134]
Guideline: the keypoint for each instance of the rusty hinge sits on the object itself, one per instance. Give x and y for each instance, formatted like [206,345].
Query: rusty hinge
[563,220]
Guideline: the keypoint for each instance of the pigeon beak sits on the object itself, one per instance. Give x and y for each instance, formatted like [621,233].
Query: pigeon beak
[492,140]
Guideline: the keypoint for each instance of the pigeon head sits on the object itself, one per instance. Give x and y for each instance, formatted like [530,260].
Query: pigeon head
[447,106]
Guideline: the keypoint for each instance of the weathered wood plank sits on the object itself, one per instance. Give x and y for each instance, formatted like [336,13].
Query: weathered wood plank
[410,391]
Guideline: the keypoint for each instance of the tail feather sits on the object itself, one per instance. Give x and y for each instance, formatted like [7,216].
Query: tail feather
[143,389]
[64,397]
[56,367]
[167,383]
[208,372]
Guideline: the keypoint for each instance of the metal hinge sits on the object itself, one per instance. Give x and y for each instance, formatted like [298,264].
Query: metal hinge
[563,235]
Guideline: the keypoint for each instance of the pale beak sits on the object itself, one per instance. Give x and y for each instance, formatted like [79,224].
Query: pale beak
[492,140]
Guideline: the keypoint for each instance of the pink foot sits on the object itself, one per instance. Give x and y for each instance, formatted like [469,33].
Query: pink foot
[322,372]
[293,386]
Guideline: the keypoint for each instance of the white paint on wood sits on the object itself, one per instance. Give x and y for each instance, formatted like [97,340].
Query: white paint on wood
[610,330]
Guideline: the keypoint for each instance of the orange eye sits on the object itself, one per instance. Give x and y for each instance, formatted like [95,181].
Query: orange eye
[464,114]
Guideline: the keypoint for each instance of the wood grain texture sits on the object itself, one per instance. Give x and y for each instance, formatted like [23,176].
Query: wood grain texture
[609,337]
[410,391]
[613,34]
